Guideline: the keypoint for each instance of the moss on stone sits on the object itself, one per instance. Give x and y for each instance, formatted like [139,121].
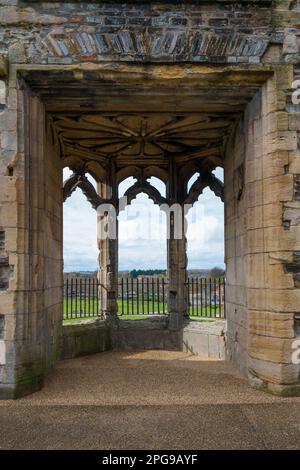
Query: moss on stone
[7,392]
[285,390]
[292,390]
[86,338]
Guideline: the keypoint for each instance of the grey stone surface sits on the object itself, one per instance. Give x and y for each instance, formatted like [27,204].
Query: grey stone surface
[145,334]
[139,31]
[200,338]
[205,338]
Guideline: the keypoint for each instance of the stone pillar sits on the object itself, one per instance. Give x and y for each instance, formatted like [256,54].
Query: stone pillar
[177,278]
[177,258]
[263,239]
[274,298]
[31,281]
[108,277]
[108,252]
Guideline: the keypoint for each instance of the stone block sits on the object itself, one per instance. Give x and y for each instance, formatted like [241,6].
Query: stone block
[280,141]
[8,119]
[272,214]
[196,344]
[273,372]
[8,302]
[254,171]
[278,188]
[255,241]
[276,276]
[280,257]
[277,350]
[274,164]
[255,270]
[276,300]
[277,325]
[294,122]
[291,212]
[290,44]
[255,194]
[254,217]
[9,140]
[278,121]
[278,239]
[214,347]
[8,189]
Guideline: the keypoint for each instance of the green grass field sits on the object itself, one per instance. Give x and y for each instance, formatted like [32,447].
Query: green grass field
[87,309]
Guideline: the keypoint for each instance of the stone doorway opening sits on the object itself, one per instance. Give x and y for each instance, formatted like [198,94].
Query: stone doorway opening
[116,121]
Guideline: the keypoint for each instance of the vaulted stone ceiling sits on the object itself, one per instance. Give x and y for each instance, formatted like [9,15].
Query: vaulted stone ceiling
[134,138]
[144,116]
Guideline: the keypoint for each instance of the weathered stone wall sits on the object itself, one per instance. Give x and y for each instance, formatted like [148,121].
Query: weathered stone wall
[261,167]
[262,237]
[236,225]
[10,226]
[205,338]
[206,32]
[31,227]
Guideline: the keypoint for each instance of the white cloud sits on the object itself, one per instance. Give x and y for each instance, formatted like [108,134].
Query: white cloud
[142,235]
[80,234]
[205,232]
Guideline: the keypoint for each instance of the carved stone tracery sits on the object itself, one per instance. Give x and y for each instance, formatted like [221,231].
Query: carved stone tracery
[143,186]
[78,180]
[202,182]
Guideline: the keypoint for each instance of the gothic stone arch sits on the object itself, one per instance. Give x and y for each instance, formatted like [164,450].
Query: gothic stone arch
[172,88]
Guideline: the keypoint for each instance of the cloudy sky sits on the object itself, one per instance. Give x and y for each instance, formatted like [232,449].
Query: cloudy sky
[142,232]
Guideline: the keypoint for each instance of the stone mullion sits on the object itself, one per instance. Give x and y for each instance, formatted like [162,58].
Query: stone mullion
[176,257]
[108,254]
[177,279]
[108,277]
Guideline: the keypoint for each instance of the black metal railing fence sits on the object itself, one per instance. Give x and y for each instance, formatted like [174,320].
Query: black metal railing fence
[206,297]
[143,296]
[81,298]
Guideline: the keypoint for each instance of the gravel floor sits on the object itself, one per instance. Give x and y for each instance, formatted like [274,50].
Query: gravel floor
[148,400]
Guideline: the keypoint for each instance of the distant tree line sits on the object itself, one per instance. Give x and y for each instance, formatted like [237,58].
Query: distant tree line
[146,272]
[216,272]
